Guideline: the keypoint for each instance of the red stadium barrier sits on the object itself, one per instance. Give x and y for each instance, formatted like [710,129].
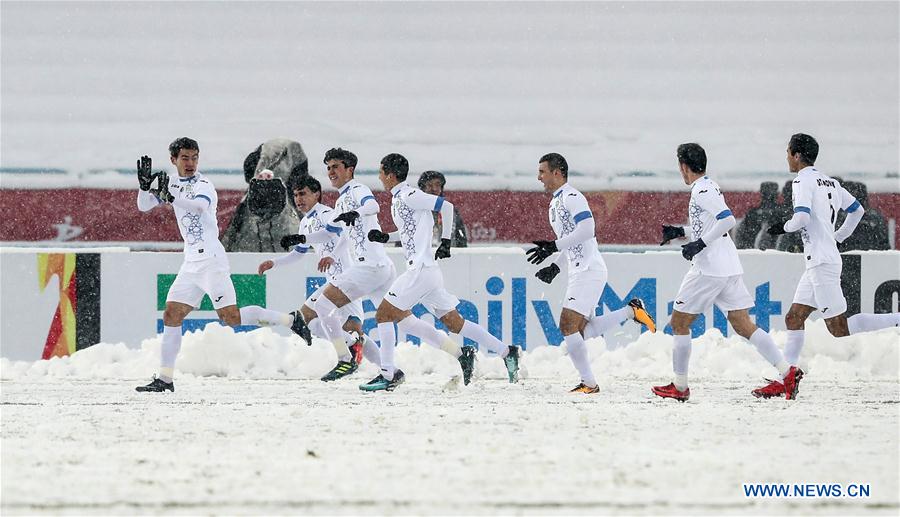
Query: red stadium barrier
[112,215]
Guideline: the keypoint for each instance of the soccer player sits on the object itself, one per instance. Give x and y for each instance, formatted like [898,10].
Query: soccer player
[817,199]
[573,223]
[205,269]
[423,282]
[333,255]
[370,272]
[715,277]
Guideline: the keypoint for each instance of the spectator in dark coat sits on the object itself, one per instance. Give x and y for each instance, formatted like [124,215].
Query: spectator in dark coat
[757,218]
[872,231]
[260,221]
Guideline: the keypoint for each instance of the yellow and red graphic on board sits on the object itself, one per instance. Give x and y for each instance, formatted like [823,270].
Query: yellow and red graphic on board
[61,337]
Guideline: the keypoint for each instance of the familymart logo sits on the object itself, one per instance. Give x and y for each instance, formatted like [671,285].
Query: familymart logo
[250,290]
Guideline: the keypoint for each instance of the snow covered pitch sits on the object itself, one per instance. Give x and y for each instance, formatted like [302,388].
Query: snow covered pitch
[250,429]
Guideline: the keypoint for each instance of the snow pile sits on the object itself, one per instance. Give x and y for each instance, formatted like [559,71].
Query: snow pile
[262,354]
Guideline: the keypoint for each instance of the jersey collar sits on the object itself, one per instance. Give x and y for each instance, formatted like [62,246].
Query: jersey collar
[397,188]
[559,191]
[807,169]
[347,186]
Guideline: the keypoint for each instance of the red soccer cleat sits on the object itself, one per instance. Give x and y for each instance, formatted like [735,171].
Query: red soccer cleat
[792,382]
[669,391]
[356,349]
[773,389]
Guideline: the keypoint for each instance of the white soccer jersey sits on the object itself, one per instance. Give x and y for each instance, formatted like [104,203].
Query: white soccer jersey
[821,197]
[412,212]
[707,205]
[200,230]
[337,248]
[567,208]
[352,196]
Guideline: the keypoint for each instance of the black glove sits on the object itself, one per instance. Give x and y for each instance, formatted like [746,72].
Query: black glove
[378,236]
[348,218]
[289,241]
[541,251]
[548,273]
[443,250]
[776,227]
[162,188]
[671,232]
[145,176]
[690,249]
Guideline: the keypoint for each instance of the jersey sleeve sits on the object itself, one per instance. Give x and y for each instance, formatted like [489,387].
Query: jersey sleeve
[712,200]
[578,207]
[848,202]
[802,194]
[205,190]
[418,200]
[368,205]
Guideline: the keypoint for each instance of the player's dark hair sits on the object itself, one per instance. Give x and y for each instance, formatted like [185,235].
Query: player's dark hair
[397,165]
[556,161]
[310,183]
[342,155]
[431,175]
[806,146]
[183,143]
[693,156]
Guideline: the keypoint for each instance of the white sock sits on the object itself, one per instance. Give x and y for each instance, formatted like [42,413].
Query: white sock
[793,346]
[681,359]
[370,351]
[599,325]
[256,315]
[578,355]
[171,344]
[767,348]
[388,343]
[869,322]
[429,334]
[332,325]
[477,333]
[315,328]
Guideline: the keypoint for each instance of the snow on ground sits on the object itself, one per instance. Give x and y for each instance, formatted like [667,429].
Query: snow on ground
[251,430]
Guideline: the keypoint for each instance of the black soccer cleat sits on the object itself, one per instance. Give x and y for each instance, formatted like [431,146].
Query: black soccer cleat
[299,327]
[342,369]
[380,383]
[467,362]
[512,364]
[157,385]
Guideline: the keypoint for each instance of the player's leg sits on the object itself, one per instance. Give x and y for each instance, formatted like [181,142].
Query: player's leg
[871,322]
[390,376]
[803,305]
[633,310]
[580,302]
[681,357]
[326,306]
[184,294]
[571,324]
[467,329]
[695,295]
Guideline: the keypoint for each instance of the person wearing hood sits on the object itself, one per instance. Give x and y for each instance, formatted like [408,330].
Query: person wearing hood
[267,211]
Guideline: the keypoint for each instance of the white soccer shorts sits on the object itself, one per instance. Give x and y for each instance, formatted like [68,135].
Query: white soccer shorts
[211,277]
[584,291]
[699,292]
[425,285]
[354,308]
[820,287]
[365,281]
